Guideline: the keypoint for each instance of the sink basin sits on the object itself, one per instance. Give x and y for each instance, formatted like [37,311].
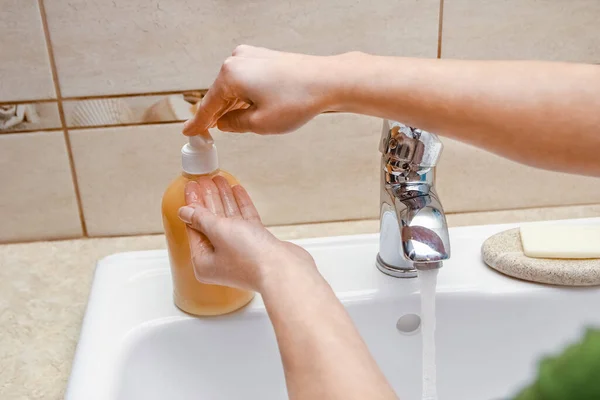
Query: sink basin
[491,329]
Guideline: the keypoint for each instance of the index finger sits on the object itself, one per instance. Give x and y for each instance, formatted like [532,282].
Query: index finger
[211,107]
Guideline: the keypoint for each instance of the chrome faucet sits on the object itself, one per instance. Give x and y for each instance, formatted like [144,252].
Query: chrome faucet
[414,232]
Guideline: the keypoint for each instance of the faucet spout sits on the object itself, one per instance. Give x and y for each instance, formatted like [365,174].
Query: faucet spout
[413,228]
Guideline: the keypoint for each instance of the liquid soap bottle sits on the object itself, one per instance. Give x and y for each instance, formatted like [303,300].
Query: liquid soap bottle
[199,158]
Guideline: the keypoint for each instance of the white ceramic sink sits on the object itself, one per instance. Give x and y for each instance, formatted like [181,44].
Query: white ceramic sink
[491,329]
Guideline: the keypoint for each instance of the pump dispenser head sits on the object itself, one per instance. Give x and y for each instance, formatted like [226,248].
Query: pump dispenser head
[199,156]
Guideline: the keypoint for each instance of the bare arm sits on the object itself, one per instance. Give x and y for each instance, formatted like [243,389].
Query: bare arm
[539,113]
[323,354]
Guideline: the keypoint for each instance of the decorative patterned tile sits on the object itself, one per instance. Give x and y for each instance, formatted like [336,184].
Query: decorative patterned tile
[29,117]
[114,111]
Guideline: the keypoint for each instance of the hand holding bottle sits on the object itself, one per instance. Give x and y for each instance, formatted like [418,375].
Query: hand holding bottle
[228,242]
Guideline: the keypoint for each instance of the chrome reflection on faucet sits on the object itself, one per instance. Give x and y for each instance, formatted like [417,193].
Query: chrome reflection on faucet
[414,232]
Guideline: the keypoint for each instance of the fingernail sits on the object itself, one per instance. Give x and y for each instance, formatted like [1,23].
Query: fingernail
[191,196]
[187,126]
[186,213]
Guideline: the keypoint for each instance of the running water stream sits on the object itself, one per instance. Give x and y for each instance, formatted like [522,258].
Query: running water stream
[428,280]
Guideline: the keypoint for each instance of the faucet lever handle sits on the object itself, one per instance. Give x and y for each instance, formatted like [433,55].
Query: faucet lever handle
[409,148]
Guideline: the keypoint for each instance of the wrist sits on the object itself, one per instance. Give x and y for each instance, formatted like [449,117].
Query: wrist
[284,279]
[342,83]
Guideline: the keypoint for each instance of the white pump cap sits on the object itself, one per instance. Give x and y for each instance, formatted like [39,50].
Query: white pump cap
[199,156]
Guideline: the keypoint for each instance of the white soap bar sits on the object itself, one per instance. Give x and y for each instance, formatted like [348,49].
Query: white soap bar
[561,241]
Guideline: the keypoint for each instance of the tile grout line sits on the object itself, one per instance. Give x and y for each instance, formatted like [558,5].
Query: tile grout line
[61,114]
[80,128]
[440,29]
[41,128]
[104,96]
[143,94]
[30,101]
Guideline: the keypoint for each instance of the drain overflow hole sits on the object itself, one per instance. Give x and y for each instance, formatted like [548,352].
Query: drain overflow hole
[408,324]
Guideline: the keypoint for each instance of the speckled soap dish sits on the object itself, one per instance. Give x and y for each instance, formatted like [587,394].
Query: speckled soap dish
[504,253]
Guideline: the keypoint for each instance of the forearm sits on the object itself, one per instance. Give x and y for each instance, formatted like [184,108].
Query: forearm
[539,113]
[323,355]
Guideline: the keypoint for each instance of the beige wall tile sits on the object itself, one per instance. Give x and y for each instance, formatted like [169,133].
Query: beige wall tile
[133,46]
[524,215]
[324,229]
[37,200]
[122,173]
[471,179]
[292,232]
[522,29]
[325,172]
[24,67]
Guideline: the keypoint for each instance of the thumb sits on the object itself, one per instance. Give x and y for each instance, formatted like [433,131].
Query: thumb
[239,121]
[201,219]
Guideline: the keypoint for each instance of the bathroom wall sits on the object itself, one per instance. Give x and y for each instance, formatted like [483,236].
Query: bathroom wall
[100,88]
